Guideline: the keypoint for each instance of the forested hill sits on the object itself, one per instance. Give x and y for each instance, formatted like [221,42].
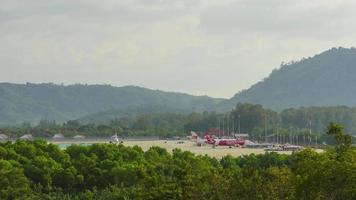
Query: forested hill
[327,79]
[33,102]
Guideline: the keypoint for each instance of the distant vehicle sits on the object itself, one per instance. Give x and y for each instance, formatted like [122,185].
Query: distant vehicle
[288,147]
[252,145]
[274,148]
[176,138]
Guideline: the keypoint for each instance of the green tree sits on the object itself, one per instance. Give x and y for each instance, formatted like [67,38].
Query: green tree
[344,141]
[13,183]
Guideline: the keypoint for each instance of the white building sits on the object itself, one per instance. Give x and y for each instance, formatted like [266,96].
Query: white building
[58,136]
[26,137]
[79,137]
[3,137]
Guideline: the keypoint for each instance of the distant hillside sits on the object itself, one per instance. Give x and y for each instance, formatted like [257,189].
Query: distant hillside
[131,112]
[33,102]
[327,79]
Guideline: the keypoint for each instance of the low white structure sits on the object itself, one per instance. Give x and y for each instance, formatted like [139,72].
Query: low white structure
[241,135]
[26,137]
[79,137]
[58,136]
[3,137]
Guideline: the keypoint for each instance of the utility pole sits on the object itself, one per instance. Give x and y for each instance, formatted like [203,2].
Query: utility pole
[310,132]
[278,138]
[223,127]
[228,125]
[239,125]
[292,138]
[265,128]
[233,124]
[219,126]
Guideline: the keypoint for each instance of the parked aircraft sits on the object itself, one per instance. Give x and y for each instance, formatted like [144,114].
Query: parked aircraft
[195,138]
[224,142]
[114,139]
[213,140]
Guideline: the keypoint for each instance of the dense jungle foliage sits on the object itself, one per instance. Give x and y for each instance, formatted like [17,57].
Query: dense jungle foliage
[37,170]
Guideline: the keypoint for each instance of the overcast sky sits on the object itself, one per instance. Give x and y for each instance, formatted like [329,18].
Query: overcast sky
[201,47]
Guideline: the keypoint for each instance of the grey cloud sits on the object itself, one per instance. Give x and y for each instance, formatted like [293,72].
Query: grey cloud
[124,10]
[186,4]
[306,18]
[195,46]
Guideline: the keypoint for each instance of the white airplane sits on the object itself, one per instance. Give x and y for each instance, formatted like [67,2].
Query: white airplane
[195,138]
[114,139]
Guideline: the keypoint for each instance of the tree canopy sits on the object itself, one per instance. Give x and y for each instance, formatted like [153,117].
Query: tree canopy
[38,170]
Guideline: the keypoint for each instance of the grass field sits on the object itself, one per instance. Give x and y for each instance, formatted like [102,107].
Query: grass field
[217,152]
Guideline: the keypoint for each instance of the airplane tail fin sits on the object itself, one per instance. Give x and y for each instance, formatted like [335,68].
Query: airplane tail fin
[209,139]
[194,136]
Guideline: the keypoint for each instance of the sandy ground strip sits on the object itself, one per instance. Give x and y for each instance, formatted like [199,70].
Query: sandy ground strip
[217,152]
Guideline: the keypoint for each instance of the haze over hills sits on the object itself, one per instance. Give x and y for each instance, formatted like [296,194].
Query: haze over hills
[33,102]
[132,112]
[327,79]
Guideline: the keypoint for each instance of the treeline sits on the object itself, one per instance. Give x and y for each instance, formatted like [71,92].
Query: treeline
[306,124]
[303,124]
[161,124]
[37,170]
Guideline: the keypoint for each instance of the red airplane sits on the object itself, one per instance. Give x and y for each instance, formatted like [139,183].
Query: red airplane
[210,139]
[224,142]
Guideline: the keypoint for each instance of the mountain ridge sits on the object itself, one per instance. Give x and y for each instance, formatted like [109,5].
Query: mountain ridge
[33,102]
[326,79]
[308,82]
